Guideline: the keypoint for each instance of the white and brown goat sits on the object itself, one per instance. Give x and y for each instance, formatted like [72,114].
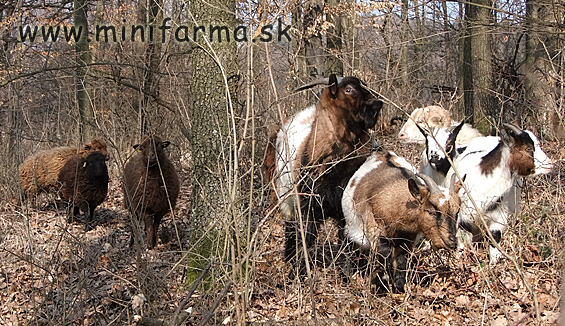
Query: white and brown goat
[492,166]
[315,152]
[387,205]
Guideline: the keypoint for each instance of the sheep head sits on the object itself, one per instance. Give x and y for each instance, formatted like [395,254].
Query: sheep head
[95,167]
[438,210]
[152,149]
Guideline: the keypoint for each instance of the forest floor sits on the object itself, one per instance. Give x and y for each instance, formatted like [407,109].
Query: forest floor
[54,273]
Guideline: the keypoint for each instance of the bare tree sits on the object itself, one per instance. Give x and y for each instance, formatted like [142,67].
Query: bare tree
[478,71]
[84,99]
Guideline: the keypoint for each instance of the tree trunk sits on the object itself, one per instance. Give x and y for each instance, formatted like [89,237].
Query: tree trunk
[335,43]
[404,40]
[84,100]
[539,83]
[350,35]
[314,48]
[213,116]
[478,70]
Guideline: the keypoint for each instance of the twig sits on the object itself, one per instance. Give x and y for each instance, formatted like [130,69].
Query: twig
[189,295]
[216,303]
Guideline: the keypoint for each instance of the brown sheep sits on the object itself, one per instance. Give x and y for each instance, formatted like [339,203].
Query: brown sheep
[40,171]
[151,185]
[84,183]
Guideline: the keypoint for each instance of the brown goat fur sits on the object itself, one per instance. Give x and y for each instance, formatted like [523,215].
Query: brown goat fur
[386,206]
[40,171]
[323,146]
[151,185]
[84,181]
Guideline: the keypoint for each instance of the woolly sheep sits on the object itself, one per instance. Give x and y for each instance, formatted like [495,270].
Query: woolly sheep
[433,116]
[40,171]
[84,183]
[151,185]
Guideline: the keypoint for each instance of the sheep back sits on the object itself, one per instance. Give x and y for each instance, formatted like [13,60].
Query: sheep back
[40,171]
[137,179]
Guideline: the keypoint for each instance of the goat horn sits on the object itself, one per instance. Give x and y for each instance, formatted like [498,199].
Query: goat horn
[320,81]
[432,185]
[515,129]
[452,183]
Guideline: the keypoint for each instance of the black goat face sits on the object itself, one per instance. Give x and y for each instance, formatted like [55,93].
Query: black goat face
[360,105]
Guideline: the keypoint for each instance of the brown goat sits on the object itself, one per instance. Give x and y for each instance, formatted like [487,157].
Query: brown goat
[318,149]
[84,183]
[151,185]
[40,171]
[386,207]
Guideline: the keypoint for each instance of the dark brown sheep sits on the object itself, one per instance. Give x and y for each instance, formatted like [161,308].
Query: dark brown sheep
[151,185]
[40,171]
[84,183]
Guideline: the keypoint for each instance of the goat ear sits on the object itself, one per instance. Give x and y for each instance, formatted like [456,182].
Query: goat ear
[422,130]
[450,145]
[419,192]
[165,144]
[333,86]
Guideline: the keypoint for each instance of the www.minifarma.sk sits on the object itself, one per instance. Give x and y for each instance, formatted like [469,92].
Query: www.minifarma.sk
[153,33]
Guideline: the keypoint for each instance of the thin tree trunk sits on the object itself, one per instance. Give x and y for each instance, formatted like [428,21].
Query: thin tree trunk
[404,40]
[314,48]
[84,100]
[478,70]
[335,43]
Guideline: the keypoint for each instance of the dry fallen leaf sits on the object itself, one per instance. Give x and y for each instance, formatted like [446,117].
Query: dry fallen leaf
[500,321]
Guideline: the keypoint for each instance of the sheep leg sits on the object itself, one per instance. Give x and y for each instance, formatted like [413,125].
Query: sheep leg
[87,213]
[72,212]
[152,222]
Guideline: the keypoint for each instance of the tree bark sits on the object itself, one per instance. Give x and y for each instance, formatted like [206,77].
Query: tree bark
[335,43]
[404,40]
[314,48]
[539,83]
[213,115]
[478,70]
[84,100]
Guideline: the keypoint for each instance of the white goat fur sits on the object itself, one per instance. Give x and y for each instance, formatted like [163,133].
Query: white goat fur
[297,130]
[490,191]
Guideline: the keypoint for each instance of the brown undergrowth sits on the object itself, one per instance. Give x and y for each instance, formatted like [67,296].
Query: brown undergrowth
[52,273]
